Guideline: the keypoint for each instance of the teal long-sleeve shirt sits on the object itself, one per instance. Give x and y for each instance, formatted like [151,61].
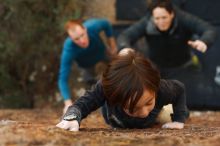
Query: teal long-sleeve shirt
[85,58]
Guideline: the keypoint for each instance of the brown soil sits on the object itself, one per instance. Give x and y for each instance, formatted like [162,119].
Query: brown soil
[103,9]
[37,127]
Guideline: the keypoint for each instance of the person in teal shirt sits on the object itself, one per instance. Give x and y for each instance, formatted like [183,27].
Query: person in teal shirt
[85,46]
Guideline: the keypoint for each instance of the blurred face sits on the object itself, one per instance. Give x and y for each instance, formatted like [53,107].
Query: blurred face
[145,104]
[162,18]
[147,101]
[79,36]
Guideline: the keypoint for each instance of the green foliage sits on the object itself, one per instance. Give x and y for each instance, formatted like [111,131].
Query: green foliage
[31,39]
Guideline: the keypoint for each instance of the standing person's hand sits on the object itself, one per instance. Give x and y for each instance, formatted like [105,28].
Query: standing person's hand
[67,103]
[112,51]
[69,125]
[173,125]
[198,45]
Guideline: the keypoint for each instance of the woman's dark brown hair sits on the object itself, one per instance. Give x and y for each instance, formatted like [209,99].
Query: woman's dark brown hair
[166,4]
[126,78]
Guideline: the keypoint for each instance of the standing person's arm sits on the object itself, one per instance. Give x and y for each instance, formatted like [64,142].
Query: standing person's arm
[128,37]
[92,100]
[112,46]
[67,59]
[206,32]
[105,25]
[173,92]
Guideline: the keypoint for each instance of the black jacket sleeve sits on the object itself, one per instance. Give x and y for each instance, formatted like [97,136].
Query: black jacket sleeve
[128,37]
[83,106]
[205,31]
[173,92]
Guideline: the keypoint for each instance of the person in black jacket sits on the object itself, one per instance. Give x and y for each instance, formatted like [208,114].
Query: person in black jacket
[169,34]
[131,94]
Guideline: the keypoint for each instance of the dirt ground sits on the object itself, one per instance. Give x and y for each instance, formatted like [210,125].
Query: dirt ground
[37,127]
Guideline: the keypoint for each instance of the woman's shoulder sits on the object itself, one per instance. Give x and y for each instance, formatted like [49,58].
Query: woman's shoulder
[170,87]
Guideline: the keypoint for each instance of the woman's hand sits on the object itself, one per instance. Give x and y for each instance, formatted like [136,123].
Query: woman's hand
[173,125]
[199,45]
[69,125]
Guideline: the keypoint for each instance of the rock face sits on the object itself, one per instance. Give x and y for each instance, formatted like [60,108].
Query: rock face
[31,40]
[37,127]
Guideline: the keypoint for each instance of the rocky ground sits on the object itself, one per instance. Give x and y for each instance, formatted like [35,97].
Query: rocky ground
[37,127]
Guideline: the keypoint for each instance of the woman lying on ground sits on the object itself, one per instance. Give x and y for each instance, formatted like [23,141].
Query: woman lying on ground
[131,95]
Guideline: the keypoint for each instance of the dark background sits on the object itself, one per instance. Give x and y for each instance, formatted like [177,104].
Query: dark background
[203,92]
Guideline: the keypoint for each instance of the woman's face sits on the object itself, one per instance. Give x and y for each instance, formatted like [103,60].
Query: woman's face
[162,18]
[144,106]
[147,100]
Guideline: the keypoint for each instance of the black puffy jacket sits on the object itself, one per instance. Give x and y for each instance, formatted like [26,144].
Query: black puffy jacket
[169,49]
